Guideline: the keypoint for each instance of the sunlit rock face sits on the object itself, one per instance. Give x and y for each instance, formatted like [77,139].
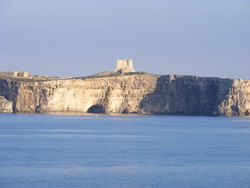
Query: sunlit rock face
[137,93]
[5,105]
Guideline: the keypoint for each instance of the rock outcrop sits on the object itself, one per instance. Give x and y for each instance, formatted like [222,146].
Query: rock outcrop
[133,93]
[5,105]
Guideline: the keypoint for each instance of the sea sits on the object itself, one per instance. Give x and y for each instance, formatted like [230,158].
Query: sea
[123,151]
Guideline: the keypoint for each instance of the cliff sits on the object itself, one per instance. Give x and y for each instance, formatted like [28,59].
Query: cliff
[132,93]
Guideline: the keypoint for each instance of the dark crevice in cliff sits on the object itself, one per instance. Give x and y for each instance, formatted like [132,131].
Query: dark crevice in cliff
[247,113]
[38,109]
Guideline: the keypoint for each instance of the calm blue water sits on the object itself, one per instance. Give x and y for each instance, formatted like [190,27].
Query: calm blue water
[123,151]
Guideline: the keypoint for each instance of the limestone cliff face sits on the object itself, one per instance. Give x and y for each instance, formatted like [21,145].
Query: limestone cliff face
[199,96]
[138,93]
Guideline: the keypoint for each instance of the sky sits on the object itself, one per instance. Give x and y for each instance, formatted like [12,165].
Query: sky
[85,37]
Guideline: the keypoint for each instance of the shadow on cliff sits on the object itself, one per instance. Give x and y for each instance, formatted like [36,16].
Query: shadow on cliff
[186,95]
[9,90]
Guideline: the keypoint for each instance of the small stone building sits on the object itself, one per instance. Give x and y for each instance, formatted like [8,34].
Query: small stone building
[124,66]
[15,74]
[23,74]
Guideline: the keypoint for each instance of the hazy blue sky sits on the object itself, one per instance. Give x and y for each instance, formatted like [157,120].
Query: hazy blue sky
[83,37]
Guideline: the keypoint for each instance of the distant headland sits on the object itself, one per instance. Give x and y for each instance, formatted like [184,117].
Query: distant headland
[124,91]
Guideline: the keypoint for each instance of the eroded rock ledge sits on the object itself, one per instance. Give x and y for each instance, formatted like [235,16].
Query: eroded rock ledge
[137,93]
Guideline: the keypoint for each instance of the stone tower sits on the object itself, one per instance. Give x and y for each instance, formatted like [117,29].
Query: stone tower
[124,66]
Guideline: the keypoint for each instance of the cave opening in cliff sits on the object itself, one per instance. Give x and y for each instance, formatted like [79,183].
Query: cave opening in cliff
[97,109]
[247,113]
